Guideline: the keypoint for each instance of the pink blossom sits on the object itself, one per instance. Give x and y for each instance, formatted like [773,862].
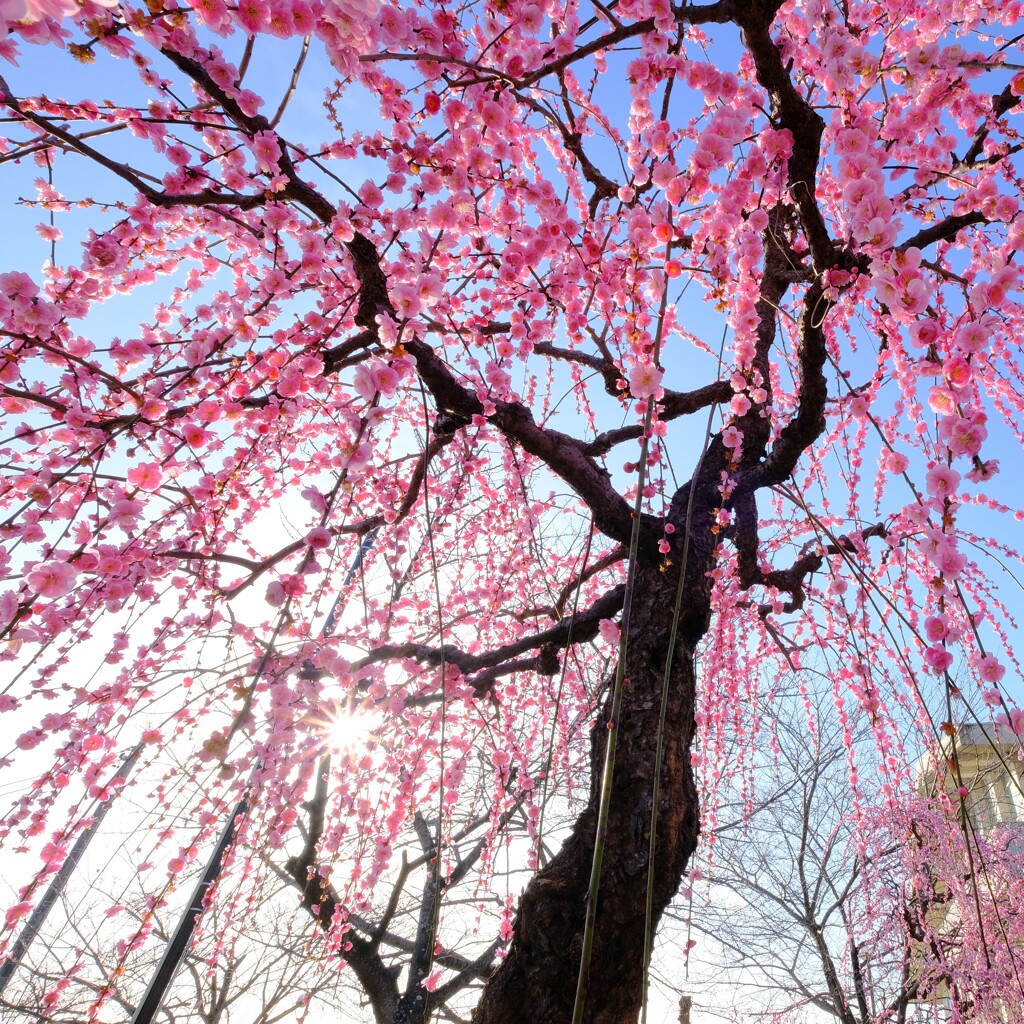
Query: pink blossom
[894,462]
[124,513]
[942,401]
[16,284]
[936,627]
[938,659]
[989,668]
[958,372]
[16,913]
[375,377]
[983,472]
[972,337]
[52,579]
[942,481]
[35,10]
[53,854]
[1015,721]
[252,15]
[924,333]
[146,477]
[963,435]
[645,380]
[319,538]
[609,631]
[30,740]
[732,438]
[950,562]
[370,195]
[267,151]
[739,405]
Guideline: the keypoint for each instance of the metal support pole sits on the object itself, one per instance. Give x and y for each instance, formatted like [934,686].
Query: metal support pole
[53,891]
[175,949]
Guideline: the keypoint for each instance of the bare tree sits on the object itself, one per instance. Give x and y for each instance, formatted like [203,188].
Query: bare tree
[783,908]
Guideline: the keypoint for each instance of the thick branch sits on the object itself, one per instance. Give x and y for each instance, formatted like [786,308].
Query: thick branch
[563,454]
[673,405]
[1001,104]
[790,110]
[809,422]
[792,579]
[943,231]
[574,629]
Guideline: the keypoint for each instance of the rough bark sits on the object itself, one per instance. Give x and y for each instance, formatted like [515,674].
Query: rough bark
[537,980]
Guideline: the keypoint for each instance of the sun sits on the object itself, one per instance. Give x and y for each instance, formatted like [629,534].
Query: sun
[342,726]
[348,731]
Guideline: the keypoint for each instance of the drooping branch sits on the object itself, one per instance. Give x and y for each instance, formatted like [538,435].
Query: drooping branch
[321,900]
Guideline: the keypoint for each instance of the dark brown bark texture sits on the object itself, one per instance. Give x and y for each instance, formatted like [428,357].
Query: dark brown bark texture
[538,978]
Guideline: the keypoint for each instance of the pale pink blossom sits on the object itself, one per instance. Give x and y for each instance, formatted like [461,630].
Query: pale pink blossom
[645,380]
[29,11]
[319,538]
[609,631]
[942,481]
[52,579]
[124,513]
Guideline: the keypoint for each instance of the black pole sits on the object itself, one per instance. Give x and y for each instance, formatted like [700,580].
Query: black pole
[175,949]
[28,933]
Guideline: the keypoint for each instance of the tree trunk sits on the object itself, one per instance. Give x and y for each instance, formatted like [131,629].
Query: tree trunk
[537,980]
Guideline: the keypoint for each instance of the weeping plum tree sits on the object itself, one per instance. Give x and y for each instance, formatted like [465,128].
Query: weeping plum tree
[639,348]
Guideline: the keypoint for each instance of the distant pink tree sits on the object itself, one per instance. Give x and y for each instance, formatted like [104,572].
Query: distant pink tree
[639,348]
